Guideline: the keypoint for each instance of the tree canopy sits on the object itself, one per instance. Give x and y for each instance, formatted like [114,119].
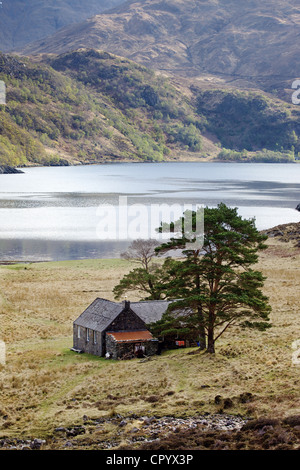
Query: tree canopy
[213,287]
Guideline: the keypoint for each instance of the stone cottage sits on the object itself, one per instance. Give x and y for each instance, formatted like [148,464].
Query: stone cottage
[118,329]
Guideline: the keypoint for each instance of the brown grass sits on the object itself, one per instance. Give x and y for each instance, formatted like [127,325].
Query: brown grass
[44,385]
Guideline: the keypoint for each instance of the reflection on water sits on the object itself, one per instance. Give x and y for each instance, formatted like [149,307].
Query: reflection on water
[50,250]
[52,213]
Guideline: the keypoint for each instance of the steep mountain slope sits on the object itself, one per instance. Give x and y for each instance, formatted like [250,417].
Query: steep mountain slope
[253,40]
[90,106]
[249,120]
[24,21]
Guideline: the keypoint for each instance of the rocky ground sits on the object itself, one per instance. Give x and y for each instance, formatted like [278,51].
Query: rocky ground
[286,233]
[258,434]
[19,444]
[127,431]
[207,432]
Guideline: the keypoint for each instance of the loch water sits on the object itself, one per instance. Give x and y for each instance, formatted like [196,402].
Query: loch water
[55,213]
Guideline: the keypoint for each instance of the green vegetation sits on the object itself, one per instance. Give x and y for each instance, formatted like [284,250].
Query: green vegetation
[250,120]
[264,156]
[90,106]
[17,146]
[139,95]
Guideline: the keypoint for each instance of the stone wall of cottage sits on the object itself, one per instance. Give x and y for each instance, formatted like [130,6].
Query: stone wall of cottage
[118,350]
[93,345]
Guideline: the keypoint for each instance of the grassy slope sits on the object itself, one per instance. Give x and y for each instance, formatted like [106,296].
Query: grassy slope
[90,106]
[250,120]
[44,385]
[94,107]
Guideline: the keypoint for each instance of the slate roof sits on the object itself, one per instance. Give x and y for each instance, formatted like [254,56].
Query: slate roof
[150,311]
[101,313]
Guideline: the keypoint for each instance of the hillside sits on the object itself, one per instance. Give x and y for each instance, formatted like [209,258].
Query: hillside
[90,106]
[24,21]
[251,120]
[250,40]
[286,233]
[79,401]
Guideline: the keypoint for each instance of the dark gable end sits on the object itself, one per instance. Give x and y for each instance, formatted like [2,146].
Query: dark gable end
[127,320]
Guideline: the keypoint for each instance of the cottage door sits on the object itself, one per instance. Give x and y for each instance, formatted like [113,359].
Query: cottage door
[139,350]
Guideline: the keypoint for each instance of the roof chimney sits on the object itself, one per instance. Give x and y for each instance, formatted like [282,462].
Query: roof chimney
[126,304]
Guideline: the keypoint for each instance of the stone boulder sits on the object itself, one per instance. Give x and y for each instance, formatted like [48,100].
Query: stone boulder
[5,169]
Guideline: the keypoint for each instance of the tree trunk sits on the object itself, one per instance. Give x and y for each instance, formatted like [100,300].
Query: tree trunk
[211,325]
[202,335]
[210,342]
[211,347]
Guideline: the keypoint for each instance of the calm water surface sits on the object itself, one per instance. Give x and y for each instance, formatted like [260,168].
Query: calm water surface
[55,213]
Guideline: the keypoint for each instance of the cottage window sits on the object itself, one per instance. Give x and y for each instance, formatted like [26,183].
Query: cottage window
[87,335]
[78,332]
[139,347]
[94,337]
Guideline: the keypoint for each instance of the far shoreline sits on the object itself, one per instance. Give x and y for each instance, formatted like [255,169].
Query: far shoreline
[276,232]
[20,170]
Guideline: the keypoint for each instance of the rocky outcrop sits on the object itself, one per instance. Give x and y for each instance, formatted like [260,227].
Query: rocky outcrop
[134,429]
[285,232]
[19,444]
[5,169]
[201,432]
[265,433]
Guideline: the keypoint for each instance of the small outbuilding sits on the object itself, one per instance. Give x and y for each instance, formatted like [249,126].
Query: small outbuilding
[118,330]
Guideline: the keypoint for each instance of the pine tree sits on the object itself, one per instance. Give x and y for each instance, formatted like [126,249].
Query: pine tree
[216,285]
